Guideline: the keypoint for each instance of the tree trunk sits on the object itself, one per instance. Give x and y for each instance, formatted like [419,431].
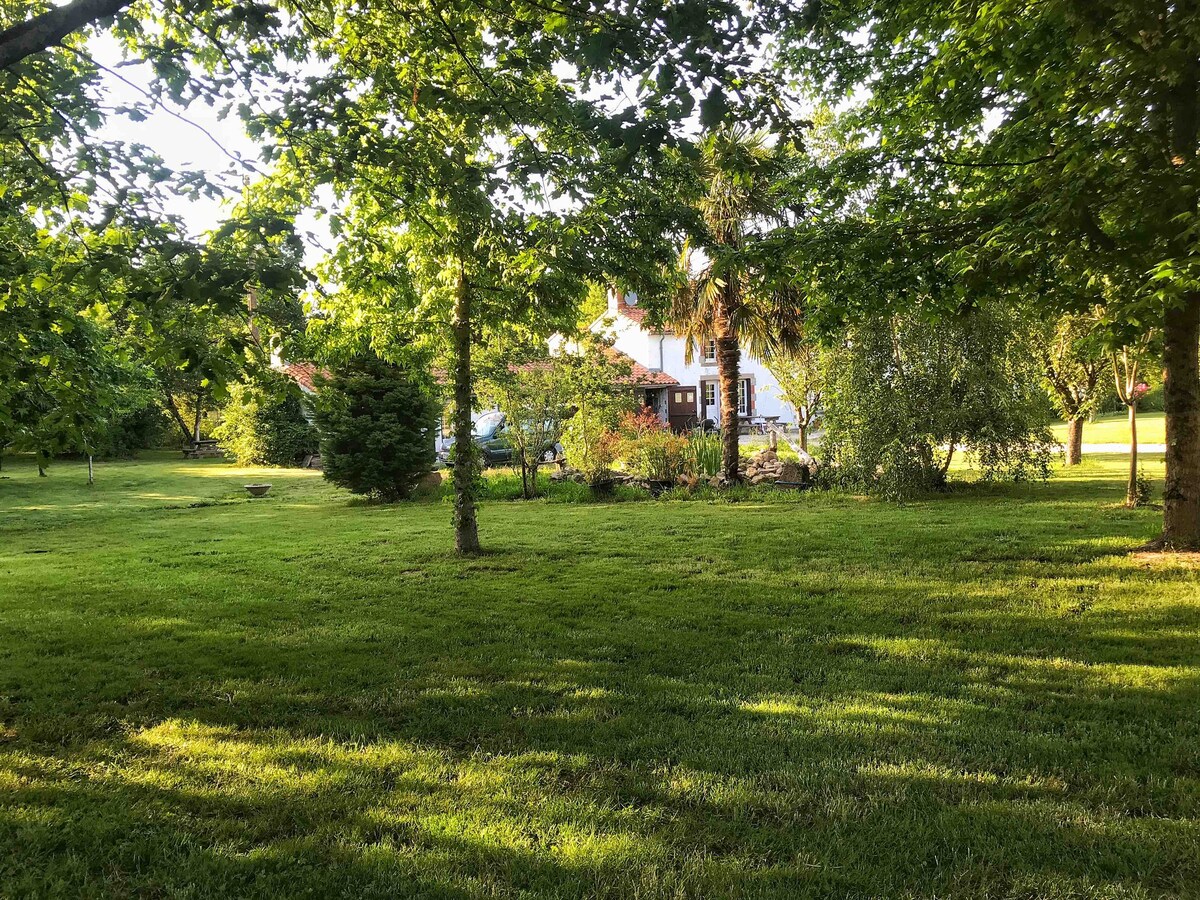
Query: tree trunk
[804,436]
[1131,491]
[91,472]
[1075,441]
[727,375]
[945,468]
[196,421]
[173,409]
[466,454]
[1181,394]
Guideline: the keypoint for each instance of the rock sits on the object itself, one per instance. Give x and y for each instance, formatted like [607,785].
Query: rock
[792,471]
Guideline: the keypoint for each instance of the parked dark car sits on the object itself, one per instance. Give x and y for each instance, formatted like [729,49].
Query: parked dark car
[491,435]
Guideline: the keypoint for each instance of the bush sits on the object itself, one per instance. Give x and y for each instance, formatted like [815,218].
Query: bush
[590,445]
[1143,488]
[263,424]
[377,424]
[648,448]
[135,428]
[905,394]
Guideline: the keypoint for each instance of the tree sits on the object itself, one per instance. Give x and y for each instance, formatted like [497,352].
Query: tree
[264,423]
[1012,136]
[597,396]
[739,297]
[1126,369]
[905,394]
[47,28]
[478,184]
[1072,364]
[801,376]
[377,424]
[533,396]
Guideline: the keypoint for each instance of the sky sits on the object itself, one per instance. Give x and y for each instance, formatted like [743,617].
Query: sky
[181,145]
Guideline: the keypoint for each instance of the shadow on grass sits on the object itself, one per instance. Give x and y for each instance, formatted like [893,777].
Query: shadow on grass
[844,700]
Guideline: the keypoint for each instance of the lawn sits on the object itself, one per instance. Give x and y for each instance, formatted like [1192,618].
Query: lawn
[1114,429]
[977,696]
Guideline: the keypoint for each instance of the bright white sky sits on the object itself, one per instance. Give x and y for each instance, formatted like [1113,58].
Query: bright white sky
[181,145]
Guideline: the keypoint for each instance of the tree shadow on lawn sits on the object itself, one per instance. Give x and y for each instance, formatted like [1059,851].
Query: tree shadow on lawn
[827,702]
[566,749]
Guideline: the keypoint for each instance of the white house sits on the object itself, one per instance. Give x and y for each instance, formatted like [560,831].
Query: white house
[696,396]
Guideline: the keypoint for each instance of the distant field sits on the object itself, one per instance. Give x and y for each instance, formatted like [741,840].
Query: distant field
[1114,429]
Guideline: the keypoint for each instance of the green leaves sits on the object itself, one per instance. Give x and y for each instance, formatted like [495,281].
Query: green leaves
[714,108]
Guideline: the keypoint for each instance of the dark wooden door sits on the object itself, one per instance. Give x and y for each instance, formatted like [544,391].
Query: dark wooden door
[681,408]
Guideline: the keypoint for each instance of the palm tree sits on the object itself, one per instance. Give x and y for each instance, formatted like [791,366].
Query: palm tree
[743,295]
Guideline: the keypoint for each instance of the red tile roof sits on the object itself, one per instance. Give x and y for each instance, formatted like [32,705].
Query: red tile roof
[303,373]
[639,375]
[638,315]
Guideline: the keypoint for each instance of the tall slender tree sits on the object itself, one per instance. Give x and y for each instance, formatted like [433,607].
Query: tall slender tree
[741,297]
[801,376]
[475,183]
[1127,361]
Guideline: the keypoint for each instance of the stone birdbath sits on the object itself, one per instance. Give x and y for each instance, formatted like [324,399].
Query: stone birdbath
[258,490]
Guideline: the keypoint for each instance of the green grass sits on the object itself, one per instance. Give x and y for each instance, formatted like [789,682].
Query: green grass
[975,696]
[1114,429]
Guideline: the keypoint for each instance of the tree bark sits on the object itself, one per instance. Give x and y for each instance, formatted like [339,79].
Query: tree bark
[727,376]
[48,28]
[945,468]
[466,454]
[1075,441]
[196,420]
[1131,491]
[173,409]
[804,436]
[1181,395]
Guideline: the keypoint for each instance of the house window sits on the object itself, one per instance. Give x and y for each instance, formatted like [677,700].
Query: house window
[710,351]
[710,393]
[744,397]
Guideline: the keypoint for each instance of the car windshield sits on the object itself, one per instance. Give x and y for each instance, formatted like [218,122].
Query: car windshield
[487,426]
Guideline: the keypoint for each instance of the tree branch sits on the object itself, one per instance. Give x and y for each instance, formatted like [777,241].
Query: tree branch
[48,28]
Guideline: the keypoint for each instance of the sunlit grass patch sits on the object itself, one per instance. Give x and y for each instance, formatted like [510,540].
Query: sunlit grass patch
[979,694]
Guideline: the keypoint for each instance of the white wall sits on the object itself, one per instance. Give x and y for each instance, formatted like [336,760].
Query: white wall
[767,398]
[644,347]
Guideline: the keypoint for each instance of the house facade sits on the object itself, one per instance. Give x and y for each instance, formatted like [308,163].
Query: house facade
[695,396]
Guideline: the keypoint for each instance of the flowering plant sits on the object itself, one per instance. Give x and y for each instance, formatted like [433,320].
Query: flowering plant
[648,448]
